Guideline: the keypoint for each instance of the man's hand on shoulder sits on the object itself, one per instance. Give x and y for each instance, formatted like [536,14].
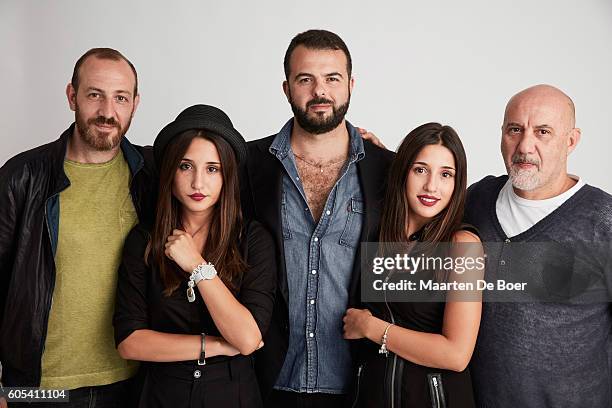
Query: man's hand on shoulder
[371,137]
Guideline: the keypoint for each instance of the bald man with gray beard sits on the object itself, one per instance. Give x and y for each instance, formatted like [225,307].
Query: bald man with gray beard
[542,353]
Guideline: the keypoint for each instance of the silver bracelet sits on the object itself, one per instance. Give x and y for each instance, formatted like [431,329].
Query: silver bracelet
[202,360]
[383,346]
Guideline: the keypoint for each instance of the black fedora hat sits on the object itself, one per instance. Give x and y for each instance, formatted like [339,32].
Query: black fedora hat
[205,117]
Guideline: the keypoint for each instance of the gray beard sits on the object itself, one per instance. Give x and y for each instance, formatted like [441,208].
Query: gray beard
[521,180]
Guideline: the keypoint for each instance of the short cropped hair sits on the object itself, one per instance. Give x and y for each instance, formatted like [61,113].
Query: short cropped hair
[102,53]
[318,40]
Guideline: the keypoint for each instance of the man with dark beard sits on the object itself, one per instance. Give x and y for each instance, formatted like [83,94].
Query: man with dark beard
[317,186]
[65,209]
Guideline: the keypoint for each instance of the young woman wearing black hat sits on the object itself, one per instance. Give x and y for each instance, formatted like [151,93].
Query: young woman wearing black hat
[196,290]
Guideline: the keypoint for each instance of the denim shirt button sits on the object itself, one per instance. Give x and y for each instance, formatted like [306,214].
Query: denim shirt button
[314,271]
[316,239]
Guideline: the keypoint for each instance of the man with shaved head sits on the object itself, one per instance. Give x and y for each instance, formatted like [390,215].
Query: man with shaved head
[537,163]
[545,350]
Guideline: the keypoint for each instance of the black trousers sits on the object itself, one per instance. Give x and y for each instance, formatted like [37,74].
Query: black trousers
[229,383]
[284,399]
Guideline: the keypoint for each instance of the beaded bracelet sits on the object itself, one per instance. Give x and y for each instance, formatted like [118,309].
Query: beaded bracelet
[383,346]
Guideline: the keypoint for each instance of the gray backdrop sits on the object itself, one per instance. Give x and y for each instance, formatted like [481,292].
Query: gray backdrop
[456,62]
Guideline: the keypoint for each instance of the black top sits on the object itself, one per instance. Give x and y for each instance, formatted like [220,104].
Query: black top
[142,305]
[420,316]
[223,381]
[393,381]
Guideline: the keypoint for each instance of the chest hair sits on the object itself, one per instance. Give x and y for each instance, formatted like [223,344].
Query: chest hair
[318,184]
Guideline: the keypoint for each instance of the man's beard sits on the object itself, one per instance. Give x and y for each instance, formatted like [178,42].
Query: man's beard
[319,124]
[525,180]
[100,141]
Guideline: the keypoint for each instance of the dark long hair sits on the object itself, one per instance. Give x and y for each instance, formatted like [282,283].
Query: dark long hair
[395,212]
[222,249]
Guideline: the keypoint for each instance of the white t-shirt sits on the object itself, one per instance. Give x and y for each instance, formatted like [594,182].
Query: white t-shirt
[516,214]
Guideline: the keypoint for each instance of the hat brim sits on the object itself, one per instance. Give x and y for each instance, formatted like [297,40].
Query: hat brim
[172,129]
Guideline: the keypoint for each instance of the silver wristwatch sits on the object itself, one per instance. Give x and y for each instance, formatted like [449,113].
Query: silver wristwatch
[202,271]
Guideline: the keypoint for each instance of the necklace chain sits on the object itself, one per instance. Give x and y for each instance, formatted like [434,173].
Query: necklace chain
[319,166]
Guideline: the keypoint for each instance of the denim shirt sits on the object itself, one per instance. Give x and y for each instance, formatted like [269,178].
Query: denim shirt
[319,261]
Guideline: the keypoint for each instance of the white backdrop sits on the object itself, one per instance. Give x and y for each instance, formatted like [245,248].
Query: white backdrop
[455,62]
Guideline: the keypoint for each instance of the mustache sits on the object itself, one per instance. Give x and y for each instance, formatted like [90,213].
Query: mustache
[523,159]
[101,120]
[319,101]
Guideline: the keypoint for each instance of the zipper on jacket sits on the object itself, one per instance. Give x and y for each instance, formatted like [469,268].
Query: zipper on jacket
[392,386]
[437,392]
[393,380]
[359,370]
[436,399]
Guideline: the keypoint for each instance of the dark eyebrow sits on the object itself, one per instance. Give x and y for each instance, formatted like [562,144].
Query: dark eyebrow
[543,126]
[303,74]
[331,74]
[444,167]
[191,161]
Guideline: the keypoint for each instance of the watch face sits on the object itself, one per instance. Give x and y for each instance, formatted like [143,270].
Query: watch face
[209,272]
[205,271]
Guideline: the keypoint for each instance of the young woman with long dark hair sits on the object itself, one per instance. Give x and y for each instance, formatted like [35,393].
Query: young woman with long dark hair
[196,290]
[425,347]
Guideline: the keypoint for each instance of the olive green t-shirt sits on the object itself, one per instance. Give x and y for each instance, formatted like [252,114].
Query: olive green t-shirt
[96,214]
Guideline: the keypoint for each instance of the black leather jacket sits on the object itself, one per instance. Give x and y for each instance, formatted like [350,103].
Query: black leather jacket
[30,184]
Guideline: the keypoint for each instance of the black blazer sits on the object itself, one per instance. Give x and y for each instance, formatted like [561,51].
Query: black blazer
[261,189]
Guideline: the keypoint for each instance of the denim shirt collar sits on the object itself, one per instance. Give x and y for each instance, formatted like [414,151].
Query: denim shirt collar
[132,156]
[281,146]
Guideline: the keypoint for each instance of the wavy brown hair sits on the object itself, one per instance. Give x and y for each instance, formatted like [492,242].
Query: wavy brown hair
[395,211]
[226,223]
